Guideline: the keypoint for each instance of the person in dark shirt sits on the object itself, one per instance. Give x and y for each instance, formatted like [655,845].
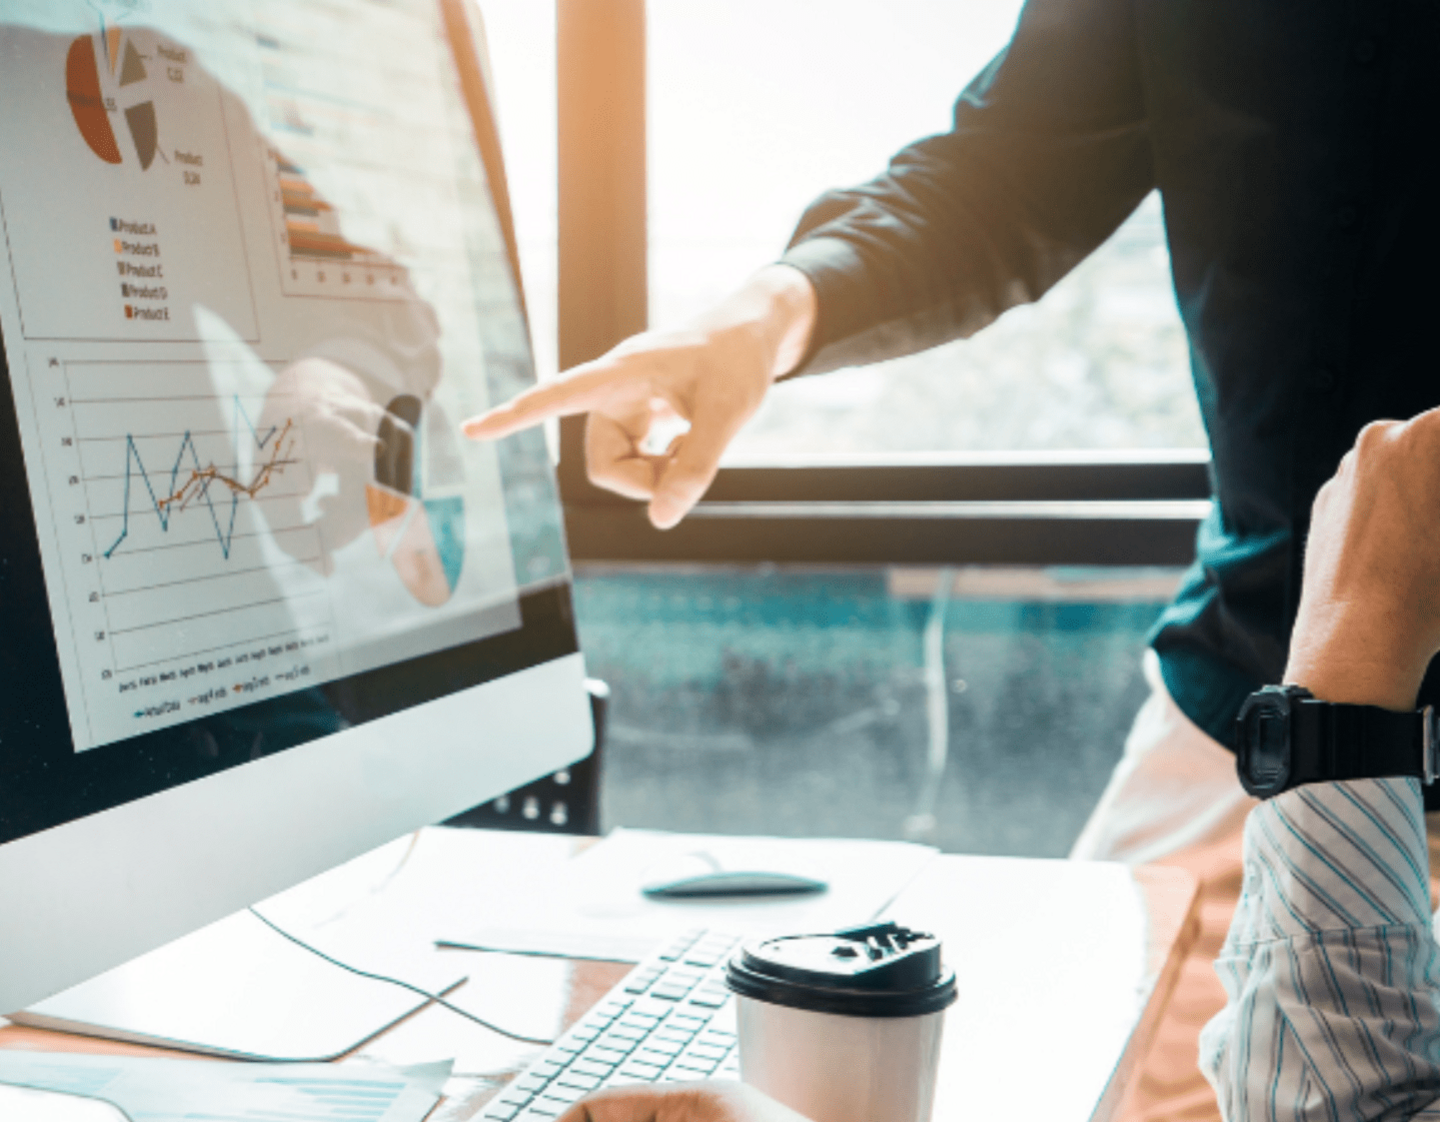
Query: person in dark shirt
[1288,143]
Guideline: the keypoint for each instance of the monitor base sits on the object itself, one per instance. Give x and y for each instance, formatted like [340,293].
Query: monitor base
[239,990]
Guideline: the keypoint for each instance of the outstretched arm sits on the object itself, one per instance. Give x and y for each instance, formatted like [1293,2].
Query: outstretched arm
[1048,155]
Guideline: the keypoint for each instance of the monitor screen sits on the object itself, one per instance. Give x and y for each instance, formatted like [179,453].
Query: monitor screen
[255,269]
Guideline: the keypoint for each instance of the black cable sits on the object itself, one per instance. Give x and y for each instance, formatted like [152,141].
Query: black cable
[426,994]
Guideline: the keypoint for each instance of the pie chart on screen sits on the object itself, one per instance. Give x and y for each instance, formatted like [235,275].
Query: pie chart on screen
[423,537]
[122,65]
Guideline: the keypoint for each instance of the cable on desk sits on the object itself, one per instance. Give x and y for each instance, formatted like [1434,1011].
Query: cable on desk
[426,994]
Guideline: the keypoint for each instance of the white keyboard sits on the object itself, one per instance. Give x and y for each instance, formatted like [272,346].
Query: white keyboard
[670,1020]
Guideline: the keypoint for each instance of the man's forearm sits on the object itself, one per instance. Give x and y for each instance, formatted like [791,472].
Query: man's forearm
[1331,965]
[1049,153]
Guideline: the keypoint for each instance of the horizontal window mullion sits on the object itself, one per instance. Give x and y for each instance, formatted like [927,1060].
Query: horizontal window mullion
[1167,510]
[1044,481]
[726,533]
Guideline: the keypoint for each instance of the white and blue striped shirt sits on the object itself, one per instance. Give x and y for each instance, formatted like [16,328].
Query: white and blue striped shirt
[1331,966]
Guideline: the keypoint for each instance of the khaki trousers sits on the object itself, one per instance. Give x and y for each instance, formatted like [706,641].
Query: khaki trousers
[1174,799]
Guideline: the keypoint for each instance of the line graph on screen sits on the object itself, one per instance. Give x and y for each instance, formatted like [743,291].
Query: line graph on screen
[194,501]
[199,482]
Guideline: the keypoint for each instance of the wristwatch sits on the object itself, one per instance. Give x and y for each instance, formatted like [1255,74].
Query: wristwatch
[1285,737]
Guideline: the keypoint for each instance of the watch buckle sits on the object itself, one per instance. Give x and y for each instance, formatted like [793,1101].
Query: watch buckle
[1430,729]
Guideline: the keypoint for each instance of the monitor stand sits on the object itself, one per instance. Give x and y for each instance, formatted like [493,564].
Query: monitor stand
[240,990]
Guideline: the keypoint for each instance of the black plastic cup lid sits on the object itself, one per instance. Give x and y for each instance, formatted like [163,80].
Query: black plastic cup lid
[883,970]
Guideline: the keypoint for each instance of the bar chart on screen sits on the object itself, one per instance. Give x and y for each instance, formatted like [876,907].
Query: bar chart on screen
[386,198]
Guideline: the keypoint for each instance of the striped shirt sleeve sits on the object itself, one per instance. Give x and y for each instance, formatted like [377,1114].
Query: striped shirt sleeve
[1330,966]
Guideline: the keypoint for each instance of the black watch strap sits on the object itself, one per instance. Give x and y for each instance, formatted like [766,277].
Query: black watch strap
[1355,742]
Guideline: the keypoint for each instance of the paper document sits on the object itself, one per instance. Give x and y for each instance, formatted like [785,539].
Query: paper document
[592,907]
[176,1090]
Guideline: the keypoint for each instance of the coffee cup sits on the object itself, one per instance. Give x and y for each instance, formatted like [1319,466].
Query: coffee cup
[843,1027]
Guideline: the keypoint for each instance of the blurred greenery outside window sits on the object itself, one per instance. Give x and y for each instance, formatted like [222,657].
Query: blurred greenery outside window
[801,701]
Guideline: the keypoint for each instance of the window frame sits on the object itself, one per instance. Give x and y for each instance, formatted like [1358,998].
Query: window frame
[1139,509]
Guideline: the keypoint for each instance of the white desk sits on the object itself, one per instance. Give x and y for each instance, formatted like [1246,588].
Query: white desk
[1063,969]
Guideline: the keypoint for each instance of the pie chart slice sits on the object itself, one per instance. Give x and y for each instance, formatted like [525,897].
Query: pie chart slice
[424,539]
[447,527]
[82,90]
[144,131]
[133,69]
[387,510]
[418,563]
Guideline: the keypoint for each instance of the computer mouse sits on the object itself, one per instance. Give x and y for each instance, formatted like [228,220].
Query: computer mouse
[716,883]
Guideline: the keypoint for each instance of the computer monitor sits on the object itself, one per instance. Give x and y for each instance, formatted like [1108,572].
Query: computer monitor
[261,607]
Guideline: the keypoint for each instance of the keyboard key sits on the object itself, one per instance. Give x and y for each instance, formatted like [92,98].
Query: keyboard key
[670,1020]
[640,982]
[579,1080]
[638,1069]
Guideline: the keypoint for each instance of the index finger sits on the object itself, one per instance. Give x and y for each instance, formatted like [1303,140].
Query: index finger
[580,391]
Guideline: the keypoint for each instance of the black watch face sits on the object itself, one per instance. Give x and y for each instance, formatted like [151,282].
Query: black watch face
[1264,749]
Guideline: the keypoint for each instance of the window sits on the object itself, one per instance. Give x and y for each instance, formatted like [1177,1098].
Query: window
[520,35]
[757,106]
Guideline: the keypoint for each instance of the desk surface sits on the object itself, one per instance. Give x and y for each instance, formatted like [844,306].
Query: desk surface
[1063,968]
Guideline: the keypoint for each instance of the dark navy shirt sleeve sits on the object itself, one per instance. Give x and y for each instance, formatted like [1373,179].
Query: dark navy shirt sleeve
[1048,155]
